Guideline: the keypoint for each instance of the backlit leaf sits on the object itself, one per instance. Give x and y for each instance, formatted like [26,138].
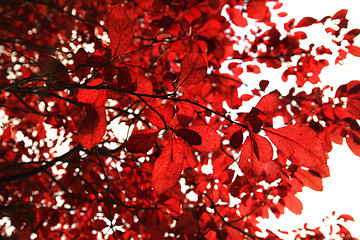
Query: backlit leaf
[256,9]
[293,204]
[255,151]
[193,68]
[300,144]
[354,50]
[248,162]
[309,180]
[168,166]
[262,148]
[153,116]
[93,96]
[210,139]
[185,113]
[353,141]
[306,21]
[142,141]
[237,17]
[346,217]
[120,30]
[92,127]
[269,104]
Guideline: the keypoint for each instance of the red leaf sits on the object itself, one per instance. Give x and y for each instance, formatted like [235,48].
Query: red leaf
[300,144]
[354,50]
[168,166]
[282,14]
[255,151]
[193,68]
[144,85]
[293,204]
[120,30]
[349,36]
[269,104]
[262,148]
[256,9]
[210,139]
[98,224]
[306,21]
[125,80]
[188,135]
[210,29]
[92,127]
[340,14]
[237,17]
[93,96]
[80,58]
[154,117]
[185,113]
[169,79]
[263,84]
[142,141]
[186,224]
[236,139]
[7,134]
[53,67]
[253,68]
[353,141]
[96,61]
[309,180]
[254,121]
[168,113]
[346,218]
[278,5]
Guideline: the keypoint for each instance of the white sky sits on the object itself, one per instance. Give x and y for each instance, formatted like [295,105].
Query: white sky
[341,190]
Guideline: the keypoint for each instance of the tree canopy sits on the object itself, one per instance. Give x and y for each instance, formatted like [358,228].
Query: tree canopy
[125,119]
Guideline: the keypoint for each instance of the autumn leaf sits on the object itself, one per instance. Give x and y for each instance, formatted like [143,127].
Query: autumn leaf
[142,141]
[93,96]
[256,9]
[346,217]
[57,72]
[293,204]
[185,113]
[193,69]
[154,116]
[126,82]
[269,104]
[237,17]
[168,113]
[309,180]
[92,127]
[168,166]
[80,59]
[192,137]
[120,30]
[160,95]
[236,139]
[248,163]
[300,144]
[305,22]
[210,139]
[354,50]
[144,85]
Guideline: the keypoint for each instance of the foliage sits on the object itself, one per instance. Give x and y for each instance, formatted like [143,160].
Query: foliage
[120,124]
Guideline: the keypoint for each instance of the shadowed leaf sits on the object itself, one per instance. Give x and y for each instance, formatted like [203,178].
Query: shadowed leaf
[142,141]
